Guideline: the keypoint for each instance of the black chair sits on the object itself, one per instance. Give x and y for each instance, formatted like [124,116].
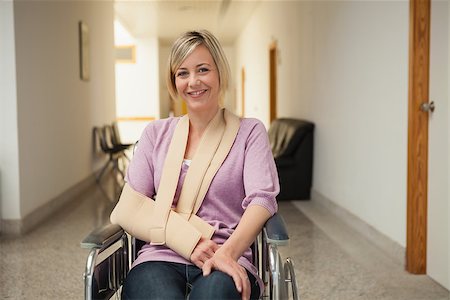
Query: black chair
[110,257]
[115,152]
[291,141]
[116,140]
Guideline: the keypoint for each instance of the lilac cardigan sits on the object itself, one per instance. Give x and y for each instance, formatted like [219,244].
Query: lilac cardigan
[248,176]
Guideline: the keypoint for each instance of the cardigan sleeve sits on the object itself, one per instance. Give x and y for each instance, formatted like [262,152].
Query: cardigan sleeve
[260,174]
[140,172]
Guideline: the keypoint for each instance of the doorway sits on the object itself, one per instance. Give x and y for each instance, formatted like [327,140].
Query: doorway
[273,82]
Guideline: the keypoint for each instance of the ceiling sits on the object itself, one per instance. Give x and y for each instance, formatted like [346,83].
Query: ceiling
[166,19]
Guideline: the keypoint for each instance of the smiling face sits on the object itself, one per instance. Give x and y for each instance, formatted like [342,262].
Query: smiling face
[197,81]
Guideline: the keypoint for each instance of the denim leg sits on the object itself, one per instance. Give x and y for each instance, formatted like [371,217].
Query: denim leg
[155,280]
[220,286]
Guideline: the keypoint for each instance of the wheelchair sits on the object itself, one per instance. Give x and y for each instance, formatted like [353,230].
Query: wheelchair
[112,251]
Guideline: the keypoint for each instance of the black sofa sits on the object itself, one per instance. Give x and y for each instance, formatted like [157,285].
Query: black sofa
[292,147]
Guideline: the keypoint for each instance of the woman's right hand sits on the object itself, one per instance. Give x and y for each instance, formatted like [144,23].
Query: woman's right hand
[204,250]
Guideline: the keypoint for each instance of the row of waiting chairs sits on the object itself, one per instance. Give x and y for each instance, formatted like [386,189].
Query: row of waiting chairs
[108,138]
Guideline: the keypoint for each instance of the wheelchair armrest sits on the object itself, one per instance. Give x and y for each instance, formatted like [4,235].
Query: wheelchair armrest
[102,237]
[275,231]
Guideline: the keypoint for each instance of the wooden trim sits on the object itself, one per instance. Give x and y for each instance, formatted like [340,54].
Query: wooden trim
[273,81]
[417,190]
[134,119]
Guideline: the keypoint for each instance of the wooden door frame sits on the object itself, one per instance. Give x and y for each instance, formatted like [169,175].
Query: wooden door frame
[418,93]
[273,81]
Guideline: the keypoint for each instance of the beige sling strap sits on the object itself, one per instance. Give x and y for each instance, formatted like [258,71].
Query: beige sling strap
[214,146]
[209,157]
[169,180]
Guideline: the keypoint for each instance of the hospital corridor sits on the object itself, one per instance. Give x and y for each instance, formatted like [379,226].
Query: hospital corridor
[353,96]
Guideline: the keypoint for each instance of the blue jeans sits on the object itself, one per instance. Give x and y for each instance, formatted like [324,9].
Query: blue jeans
[167,280]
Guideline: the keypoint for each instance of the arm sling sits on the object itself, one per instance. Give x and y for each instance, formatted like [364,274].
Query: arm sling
[179,228]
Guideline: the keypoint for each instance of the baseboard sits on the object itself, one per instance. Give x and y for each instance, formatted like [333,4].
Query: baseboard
[381,241]
[42,213]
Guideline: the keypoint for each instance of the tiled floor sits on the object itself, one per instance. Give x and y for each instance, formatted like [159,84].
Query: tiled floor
[48,263]
[335,262]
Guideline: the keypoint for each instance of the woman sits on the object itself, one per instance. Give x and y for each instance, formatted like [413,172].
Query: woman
[238,195]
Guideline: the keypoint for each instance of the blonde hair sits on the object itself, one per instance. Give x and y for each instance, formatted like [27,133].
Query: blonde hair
[185,45]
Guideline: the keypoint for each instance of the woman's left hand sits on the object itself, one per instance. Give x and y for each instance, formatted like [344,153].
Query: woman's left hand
[204,250]
[225,263]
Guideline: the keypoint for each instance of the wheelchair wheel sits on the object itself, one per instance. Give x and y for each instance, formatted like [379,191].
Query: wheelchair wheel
[281,276]
[277,283]
[290,279]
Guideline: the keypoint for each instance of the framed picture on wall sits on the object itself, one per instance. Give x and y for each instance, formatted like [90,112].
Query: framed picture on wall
[83,30]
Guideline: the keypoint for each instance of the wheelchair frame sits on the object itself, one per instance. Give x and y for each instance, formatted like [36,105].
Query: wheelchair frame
[110,258]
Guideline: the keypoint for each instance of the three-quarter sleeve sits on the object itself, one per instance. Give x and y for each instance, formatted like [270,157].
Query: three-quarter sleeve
[140,172]
[260,174]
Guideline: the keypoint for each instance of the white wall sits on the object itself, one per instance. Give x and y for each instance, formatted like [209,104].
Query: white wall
[438,197]
[9,154]
[448,147]
[137,84]
[137,88]
[287,23]
[164,100]
[56,110]
[359,103]
[229,101]
[347,71]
